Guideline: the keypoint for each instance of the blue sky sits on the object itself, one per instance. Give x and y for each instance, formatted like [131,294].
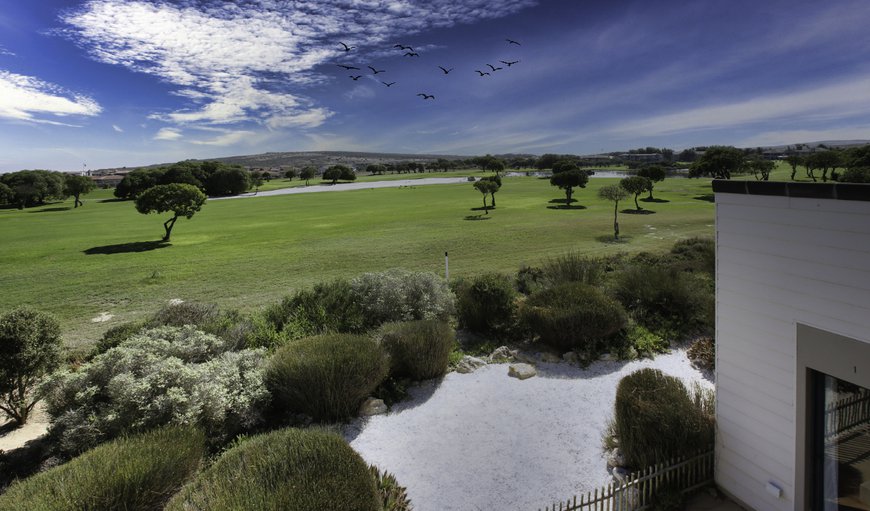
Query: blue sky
[132,82]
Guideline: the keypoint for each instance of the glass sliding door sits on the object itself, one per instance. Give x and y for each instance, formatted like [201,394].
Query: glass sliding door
[841,445]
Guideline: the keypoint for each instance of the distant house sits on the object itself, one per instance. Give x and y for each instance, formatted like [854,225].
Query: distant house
[108,181]
[642,157]
[793,344]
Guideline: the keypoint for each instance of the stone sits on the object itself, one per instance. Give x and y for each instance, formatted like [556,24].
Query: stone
[522,371]
[606,357]
[372,406]
[468,364]
[620,475]
[615,459]
[525,356]
[571,357]
[502,354]
[549,358]
[176,301]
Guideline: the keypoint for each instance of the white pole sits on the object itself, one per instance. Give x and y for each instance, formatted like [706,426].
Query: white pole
[446,267]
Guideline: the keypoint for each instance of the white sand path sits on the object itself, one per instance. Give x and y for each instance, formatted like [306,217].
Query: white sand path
[487,441]
[349,186]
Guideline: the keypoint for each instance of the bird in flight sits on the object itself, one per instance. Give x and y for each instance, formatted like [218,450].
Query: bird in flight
[446,71]
[347,67]
[426,96]
[376,71]
[511,41]
[508,63]
[412,54]
[494,69]
[346,47]
[388,84]
[482,73]
[355,78]
[403,47]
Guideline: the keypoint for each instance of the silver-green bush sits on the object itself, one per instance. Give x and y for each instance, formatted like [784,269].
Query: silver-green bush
[402,295]
[167,375]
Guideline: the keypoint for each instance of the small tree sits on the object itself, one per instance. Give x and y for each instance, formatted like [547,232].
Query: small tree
[337,172]
[760,168]
[485,187]
[497,180]
[182,199]
[719,162]
[256,181]
[307,173]
[636,185]
[568,180]
[290,174]
[793,161]
[78,186]
[347,174]
[29,349]
[614,193]
[655,174]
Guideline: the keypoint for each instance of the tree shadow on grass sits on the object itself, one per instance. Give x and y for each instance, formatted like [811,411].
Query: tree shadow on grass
[708,197]
[647,199]
[481,208]
[126,248]
[561,201]
[114,200]
[608,239]
[638,212]
[477,217]
[50,210]
[567,206]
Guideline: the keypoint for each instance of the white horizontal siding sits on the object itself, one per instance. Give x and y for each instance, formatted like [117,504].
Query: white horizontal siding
[780,261]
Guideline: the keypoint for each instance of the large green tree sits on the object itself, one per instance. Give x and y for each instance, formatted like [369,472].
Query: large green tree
[307,173]
[718,162]
[30,348]
[825,161]
[655,173]
[614,193]
[636,185]
[497,180]
[568,180]
[336,172]
[78,186]
[34,187]
[181,199]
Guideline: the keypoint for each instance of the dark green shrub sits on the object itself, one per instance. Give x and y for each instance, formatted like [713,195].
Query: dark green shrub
[29,349]
[327,307]
[854,175]
[529,279]
[287,470]
[665,300]
[418,349]
[574,316]
[135,473]
[486,303]
[326,376]
[393,496]
[656,418]
[702,353]
[694,254]
[116,335]
[572,267]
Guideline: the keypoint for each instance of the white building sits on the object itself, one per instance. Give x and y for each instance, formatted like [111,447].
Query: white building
[793,344]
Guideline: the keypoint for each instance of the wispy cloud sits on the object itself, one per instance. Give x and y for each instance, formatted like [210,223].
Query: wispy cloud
[26,98]
[224,56]
[841,100]
[117,128]
[168,134]
[4,51]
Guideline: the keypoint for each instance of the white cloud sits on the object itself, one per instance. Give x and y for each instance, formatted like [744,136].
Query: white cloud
[220,54]
[167,134]
[773,138]
[4,51]
[841,100]
[228,138]
[25,98]
[117,128]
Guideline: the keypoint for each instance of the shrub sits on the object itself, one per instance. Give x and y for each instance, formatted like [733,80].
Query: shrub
[529,279]
[572,267]
[645,343]
[392,496]
[116,335]
[702,353]
[486,303]
[656,418]
[327,307]
[418,349]
[162,376]
[135,473]
[185,313]
[401,295]
[665,300]
[574,316]
[855,175]
[694,254]
[29,349]
[290,470]
[326,376]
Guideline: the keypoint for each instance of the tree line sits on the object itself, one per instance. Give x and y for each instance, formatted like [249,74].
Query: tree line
[27,188]
[722,162]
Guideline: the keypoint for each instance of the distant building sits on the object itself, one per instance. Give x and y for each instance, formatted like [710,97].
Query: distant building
[642,157]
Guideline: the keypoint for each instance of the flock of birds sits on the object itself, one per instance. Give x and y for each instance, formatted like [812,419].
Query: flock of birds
[409,52]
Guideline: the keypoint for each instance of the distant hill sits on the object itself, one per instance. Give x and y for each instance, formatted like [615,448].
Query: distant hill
[827,143]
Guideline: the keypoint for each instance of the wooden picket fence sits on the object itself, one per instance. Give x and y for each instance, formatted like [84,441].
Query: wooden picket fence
[637,492]
[847,413]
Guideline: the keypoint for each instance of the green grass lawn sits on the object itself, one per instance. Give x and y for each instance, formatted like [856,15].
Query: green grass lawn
[246,253]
